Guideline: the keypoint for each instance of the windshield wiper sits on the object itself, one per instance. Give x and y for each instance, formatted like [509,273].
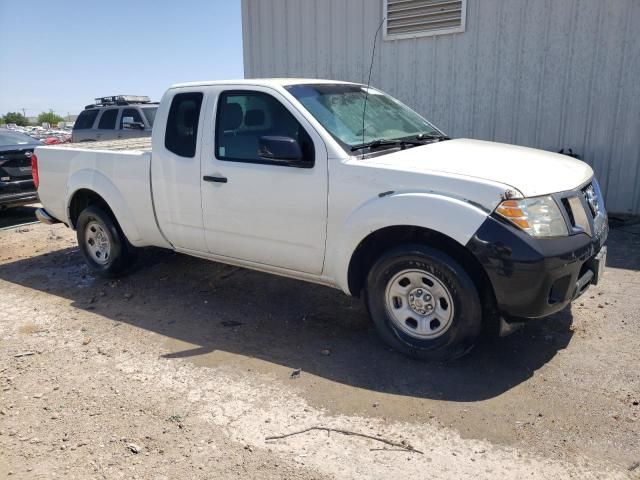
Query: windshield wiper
[430,136]
[402,143]
[376,144]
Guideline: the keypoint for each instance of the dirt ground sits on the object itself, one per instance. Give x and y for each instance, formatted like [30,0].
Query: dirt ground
[183,369]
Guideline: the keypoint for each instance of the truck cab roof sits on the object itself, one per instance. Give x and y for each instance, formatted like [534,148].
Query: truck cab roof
[265,82]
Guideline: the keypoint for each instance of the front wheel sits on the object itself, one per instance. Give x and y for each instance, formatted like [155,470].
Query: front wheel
[102,243]
[423,303]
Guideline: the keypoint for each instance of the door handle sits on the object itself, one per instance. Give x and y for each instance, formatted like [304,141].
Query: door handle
[208,178]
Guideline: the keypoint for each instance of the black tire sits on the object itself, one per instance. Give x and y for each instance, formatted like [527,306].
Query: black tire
[121,255]
[465,319]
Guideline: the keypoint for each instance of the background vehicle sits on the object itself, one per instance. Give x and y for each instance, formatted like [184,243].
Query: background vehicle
[119,116]
[440,236]
[16,182]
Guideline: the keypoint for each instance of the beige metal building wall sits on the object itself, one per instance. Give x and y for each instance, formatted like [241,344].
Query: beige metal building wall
[544,73]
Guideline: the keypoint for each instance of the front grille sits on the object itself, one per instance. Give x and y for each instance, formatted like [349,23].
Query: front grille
[585,210]
[595,202]
[577,214]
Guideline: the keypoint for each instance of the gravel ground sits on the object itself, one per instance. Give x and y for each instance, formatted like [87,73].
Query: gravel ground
[183,369]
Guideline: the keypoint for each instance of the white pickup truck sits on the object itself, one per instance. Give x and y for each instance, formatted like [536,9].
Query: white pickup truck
[340,184]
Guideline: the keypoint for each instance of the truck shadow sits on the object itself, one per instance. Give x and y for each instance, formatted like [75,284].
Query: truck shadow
[214,307]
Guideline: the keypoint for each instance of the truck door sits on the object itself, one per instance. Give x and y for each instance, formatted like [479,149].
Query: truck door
[263,211]
[175,169]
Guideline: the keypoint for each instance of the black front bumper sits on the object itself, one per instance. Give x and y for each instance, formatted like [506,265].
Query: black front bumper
[531,277]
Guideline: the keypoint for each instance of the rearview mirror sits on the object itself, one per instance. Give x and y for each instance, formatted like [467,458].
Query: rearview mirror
[281,148]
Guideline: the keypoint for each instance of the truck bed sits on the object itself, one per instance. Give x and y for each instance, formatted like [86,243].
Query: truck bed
[122,145]
[118,171]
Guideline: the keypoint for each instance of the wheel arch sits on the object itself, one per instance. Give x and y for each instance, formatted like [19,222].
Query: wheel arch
[380,241]
[90,186]
[401,214]
[83,198]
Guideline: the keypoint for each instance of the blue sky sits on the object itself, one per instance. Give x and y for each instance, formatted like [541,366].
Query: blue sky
[61,54]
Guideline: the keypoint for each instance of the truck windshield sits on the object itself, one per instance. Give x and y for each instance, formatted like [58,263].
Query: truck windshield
[339,108]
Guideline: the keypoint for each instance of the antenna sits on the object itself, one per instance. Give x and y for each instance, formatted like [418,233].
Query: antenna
[366,93]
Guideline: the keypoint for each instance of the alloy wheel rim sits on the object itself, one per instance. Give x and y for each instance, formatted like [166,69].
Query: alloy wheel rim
[419,304]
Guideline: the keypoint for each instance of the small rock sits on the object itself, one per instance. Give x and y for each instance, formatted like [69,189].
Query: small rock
[38,395]
[55,416]
[326,352]
[134,448]
[128,296]
[86,341]
[635,403]
[376,404]
[296,373]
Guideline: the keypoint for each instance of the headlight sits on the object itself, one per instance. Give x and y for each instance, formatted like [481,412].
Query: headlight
[539,216]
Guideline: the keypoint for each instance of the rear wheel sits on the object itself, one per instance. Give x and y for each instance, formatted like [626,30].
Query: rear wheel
[102,243]
[423,303]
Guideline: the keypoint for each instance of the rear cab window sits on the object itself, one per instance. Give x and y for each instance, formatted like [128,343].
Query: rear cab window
[86,119]
[181,134]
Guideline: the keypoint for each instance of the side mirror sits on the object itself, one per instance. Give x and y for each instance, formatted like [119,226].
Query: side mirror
[127,122]
[281,148]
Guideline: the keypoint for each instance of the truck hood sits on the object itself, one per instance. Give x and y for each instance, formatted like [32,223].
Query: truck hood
[532,172]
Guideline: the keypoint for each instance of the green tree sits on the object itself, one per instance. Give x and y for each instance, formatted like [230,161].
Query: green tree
[50,118]
[15,117]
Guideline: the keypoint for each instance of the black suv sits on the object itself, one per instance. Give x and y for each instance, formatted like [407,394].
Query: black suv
[16,181]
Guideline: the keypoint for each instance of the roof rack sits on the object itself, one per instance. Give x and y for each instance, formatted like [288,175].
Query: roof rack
[119,100]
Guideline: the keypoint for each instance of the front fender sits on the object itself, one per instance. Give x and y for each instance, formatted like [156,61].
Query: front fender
[452,217]
[91,179]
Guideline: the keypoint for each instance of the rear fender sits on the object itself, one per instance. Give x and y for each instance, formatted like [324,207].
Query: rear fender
[91,179]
